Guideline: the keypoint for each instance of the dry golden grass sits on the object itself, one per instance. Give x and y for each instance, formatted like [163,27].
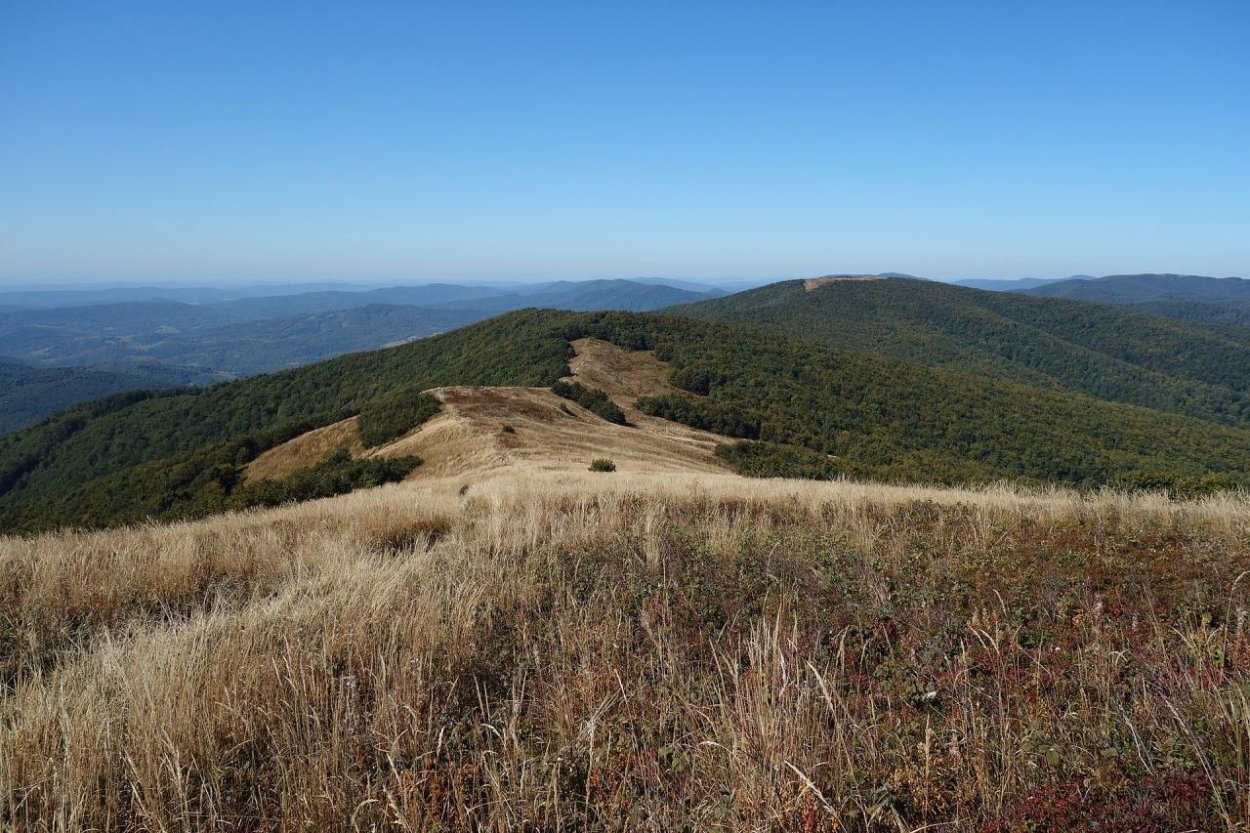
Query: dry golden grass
[306,451]
[549,433]
[558,650]
[624,375]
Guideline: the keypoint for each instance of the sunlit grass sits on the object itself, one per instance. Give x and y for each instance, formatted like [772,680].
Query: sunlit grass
[567,651]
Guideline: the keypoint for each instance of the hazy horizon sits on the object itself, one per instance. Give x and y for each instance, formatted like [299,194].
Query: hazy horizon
[384,283]
[485,142]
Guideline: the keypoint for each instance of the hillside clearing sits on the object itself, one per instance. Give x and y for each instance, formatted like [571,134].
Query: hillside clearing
[549,433]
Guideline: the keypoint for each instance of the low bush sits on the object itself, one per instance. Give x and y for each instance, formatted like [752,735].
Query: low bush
[391,418]
[592,399]
[764,459]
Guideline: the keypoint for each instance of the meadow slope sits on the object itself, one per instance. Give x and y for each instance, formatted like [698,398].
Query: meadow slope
[569,651]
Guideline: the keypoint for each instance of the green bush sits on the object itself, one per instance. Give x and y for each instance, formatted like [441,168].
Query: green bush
[602,464]
[336,475]
[391,418]
[592,399]
[763,459]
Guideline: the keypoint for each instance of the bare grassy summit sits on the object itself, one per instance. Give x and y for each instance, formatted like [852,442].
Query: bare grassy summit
[549,433]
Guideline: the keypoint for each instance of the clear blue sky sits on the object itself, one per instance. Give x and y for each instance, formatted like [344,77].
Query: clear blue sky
[464,140]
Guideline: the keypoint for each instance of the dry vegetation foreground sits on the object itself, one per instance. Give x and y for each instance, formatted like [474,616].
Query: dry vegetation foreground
[563,651]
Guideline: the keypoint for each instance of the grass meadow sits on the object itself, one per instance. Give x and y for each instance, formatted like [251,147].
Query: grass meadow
[584,652]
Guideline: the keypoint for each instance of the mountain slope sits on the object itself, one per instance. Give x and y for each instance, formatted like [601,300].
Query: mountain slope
[112,436]
[481,430]
[1186,297]
[148,455]
[1092,349]
[30,394]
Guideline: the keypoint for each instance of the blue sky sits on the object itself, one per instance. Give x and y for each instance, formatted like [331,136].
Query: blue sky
[157,141]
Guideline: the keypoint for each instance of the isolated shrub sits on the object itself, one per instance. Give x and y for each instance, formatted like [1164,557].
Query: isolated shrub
[602,464]
[508,429]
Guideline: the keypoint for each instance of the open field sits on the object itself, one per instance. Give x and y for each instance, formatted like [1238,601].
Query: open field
[562,650]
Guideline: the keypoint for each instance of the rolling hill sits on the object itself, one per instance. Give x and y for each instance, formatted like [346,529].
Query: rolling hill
[1093,349]
[803,405]
[1196,298]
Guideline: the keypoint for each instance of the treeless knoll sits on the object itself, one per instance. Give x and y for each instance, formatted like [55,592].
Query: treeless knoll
[624,375]
[812,284]
[547,433]
[636,651]
[468,438]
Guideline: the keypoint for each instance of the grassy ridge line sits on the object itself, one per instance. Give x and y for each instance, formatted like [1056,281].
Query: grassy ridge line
[1217,301]
[667,653]
[1097,350]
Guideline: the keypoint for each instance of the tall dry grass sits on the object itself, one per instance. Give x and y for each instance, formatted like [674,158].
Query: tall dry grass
[576,652]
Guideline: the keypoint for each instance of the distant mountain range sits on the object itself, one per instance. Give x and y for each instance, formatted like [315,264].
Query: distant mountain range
[155,337]
[1014,285]
[1186,297]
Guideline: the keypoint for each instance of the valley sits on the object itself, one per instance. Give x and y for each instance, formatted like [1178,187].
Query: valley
[165,338]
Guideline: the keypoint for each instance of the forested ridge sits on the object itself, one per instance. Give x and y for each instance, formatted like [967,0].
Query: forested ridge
[119,458]
[1102,351]
[817,411]
[1219,301]
[893,420]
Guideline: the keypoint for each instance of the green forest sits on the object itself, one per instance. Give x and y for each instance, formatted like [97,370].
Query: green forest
[1102,351]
